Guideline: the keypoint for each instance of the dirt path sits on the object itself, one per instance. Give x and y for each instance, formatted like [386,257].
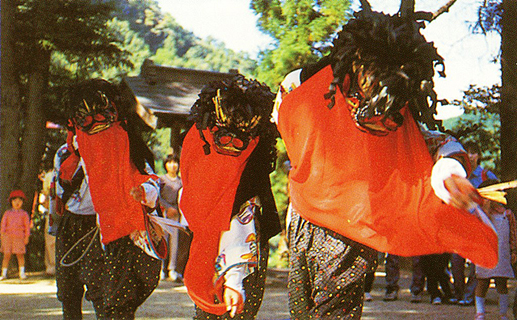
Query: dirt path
[35,298]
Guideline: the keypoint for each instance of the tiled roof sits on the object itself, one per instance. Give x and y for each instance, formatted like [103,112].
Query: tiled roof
[168,92]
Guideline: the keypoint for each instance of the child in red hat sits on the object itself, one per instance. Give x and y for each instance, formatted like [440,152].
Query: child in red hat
[15,231]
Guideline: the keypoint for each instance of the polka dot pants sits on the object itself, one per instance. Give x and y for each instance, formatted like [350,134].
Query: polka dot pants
[326,278]
[254,289]
[130,278]
[71,280]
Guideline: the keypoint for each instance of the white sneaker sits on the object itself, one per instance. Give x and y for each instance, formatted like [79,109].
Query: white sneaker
[173,275]
[367,296]
[3,278]
[163,275]
[23,276]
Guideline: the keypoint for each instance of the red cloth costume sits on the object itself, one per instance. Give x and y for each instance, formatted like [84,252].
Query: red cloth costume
[111,175]
[209,186]
[374,190]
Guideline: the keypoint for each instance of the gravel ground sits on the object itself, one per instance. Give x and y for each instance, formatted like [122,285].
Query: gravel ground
[35,298]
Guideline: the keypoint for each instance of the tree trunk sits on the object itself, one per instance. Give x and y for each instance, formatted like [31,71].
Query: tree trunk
[11,110]
[33,143]
[509,97]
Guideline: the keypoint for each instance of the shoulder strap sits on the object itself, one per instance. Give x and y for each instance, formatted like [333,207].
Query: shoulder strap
[70,188]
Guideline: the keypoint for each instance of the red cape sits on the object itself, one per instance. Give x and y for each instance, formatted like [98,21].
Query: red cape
[111,174]
[209,186]
[374,190]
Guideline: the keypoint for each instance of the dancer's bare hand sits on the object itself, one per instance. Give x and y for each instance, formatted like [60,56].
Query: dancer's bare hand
[233,300]
[462,192]
[137,193]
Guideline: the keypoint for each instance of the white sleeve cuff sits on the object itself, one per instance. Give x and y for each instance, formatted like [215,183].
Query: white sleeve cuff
[443,169]
[151,190]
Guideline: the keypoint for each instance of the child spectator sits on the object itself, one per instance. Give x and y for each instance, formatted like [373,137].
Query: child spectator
[15,231]
[504,223]
[178,241]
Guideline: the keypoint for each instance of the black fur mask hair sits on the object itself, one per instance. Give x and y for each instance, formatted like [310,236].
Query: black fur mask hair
[235,108]
[388,64]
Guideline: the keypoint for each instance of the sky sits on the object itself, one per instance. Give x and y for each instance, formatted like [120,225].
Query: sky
[467,56]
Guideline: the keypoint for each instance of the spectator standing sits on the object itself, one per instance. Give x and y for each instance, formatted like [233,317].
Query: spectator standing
[393,275]
[464,293]
[15,232]
[505,226]
[169,202]
[43,208]
[434,267]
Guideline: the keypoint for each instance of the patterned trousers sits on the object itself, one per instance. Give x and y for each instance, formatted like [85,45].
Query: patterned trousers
[327,270]
[86,272]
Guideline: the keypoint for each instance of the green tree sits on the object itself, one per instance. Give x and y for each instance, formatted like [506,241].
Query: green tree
[302,31]
[46,44]
[501,16]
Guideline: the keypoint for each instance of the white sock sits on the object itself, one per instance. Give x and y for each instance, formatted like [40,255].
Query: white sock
[503,303]
[4,272]
[480,304]
[22,270]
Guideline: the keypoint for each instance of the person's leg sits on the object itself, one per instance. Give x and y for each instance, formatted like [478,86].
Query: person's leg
[92,266]
[501,285]
[418,279]
[299,279]
[369,278]
[392,277]
[458,275]
[173,254]
[50,250]
[481,290]
[429,269]
[70,288]
[326,278]
[21,265]
[443,276]
[184,241]
[5,263]
[130,276]
[470,287]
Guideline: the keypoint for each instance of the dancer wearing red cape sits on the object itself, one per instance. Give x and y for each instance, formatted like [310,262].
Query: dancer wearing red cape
[362,174]
[225,162]
[117,166]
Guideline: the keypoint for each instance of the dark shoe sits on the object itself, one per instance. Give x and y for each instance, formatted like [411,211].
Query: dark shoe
[391,296]
[415,298]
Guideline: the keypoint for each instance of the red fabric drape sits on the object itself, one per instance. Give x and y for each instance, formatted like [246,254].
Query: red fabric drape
[111,175]
[209,186]
[374,190]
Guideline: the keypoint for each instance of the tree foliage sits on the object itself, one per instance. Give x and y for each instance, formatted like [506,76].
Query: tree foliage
[501,16]
[481,123]
[301,29]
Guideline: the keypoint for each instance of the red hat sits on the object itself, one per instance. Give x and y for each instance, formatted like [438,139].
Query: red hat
[16,194]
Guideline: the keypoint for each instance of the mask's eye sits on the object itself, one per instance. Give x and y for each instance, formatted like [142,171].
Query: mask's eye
[225,140]
[99,117]
[238,143]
